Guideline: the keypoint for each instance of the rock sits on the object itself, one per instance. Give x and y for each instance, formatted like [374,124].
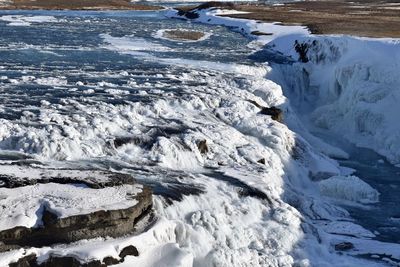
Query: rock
[30,176]
[203,148]
[26,261]
[344,246]
[261,161]
[110,261]
[192,12]
[259,33]
[71,261]
[188,14]
[301,49]
[128,251]
[274,112]
[243,189]
[99,223]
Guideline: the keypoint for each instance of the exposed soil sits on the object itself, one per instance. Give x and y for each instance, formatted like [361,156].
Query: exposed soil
[180,35]
[369,18]
[77,5]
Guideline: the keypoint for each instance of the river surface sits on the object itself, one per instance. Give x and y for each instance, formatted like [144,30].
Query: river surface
[383,217]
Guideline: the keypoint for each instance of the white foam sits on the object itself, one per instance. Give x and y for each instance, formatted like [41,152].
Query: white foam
[21,20]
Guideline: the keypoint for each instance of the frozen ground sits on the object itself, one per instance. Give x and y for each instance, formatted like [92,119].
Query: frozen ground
[118,98]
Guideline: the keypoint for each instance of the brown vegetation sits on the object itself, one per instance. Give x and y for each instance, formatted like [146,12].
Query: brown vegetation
[366,18]
[181,35]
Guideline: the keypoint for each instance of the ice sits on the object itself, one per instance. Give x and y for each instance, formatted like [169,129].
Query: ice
[354,94]
[132,44]
[245,212]
[21,20]
[349,188]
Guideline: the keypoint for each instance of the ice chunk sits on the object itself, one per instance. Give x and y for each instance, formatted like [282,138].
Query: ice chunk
[349,188]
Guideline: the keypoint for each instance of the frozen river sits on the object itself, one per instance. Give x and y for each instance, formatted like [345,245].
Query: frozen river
[102,90]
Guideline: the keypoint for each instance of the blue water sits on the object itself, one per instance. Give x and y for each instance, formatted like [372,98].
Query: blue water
[73,48]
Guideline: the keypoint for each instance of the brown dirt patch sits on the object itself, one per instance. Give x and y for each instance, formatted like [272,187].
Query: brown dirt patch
[180,35]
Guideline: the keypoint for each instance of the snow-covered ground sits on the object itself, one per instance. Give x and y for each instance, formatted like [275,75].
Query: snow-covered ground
[258,196]
[349,85]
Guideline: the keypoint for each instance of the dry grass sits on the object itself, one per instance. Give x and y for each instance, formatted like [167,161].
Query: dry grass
[183,35]
[367,18]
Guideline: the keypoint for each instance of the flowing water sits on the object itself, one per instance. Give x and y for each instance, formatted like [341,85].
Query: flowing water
[383,217]
[68,83]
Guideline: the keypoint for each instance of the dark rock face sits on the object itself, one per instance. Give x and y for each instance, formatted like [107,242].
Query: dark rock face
[301,49]
[101,223]
[128,251]
[188,14]
[261,161]
[192,13]
[243,189]
[89,179]
[274,112]
[259,33]
[344,246]
[203,147]
[69,261]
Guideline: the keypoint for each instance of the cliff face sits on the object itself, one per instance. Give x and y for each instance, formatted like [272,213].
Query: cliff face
[47,207]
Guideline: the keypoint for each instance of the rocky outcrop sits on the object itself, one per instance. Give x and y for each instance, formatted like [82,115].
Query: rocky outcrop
[70,261]
[275,113]
[202,146]
[301,49]
[124,202]
[14,176]
[101,223]
[191,13]
[260,33]
[344,246]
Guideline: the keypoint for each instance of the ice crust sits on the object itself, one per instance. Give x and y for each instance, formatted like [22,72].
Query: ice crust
[357,96]
[348,188]
[22,20]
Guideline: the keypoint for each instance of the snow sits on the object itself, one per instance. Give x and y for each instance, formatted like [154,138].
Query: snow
[23,206]
[25,173]
[131,44]
[210,16]
[348,188]
[21,20]
[249,214]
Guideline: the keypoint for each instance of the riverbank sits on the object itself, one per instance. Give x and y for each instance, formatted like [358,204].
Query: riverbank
[74,5]
[358,18]
[345,85]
